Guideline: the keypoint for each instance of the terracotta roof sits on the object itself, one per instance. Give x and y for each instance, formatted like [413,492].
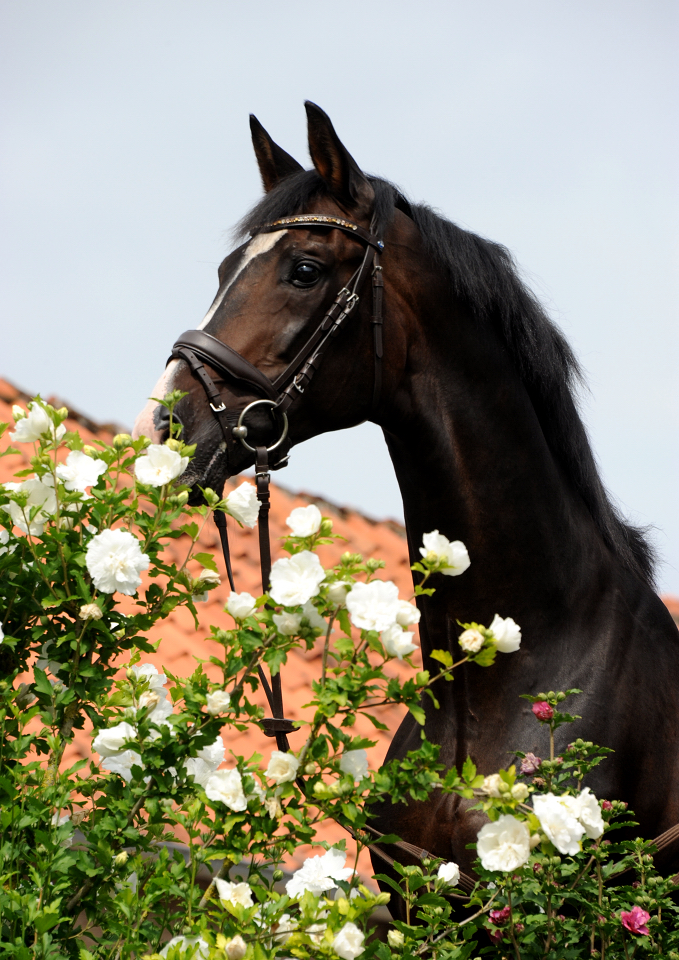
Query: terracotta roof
[181,642]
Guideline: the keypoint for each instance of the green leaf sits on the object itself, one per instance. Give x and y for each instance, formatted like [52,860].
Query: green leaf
[418,713]
[443,656]
[469,769]
[42,683]
[207,559]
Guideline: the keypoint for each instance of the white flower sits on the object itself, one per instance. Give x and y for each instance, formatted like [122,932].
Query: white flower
[218,702]
[37,423]
[226,786]
[504,845]
[491,785]
[374,605]
[438,547]
[111,739]
[318,874]
[507,634]
[205,576]
[395,939]
[204,764]
[282,767]
[114,561]
[296,579]
[589,813]
[40,494]
[449,873]
[243,505]
[186,947]
[80,471]
[237,893]
[355,762]
[90,611]
[407,614]
[471,641]
[161,465]
[337,592]
[122,763]
[4,538]
[558,819]
[287,623]
[520,791]
[310,613]
[397,641]
[147,671]
[305,521]
[284,929]
[240,605]
[236,948]
[348,943]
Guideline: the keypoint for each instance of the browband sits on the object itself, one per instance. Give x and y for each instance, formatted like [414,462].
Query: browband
[320,220]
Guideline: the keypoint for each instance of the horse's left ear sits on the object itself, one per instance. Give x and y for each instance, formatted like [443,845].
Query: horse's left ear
[335,164]
[274,163]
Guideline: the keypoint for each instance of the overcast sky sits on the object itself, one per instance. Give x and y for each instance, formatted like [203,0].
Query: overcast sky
[549,126]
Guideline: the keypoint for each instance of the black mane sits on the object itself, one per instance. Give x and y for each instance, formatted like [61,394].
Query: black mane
[483,275]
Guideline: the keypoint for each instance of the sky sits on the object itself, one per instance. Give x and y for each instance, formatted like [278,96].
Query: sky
[550,127]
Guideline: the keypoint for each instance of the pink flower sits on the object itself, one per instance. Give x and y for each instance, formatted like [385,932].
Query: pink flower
[495,936]
[519,927]
[542,710]
[606,805]
[498,917]
[530,764]
[635,920]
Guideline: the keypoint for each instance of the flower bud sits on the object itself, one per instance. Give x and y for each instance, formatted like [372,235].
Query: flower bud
[337,592]
[278,875]
[90,451]
[395,939]
[310,769]
[62,413]
[90,611]
[519,791]
[543,711]
[121,859]
[236,949]
[122,440]
[174,444]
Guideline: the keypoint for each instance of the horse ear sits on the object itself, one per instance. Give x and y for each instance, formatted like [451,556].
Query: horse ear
[274,163]
[335,164]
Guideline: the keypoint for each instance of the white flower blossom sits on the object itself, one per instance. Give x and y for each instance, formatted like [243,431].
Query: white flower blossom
[80,471]
[29,428]
[226,786]
[205,576]
[205,763]
[471,640]
[558,818]
[407,614]
[240,605]
[397,641]
[236,948]
[282,767]
[355,762]
[90,611]
[507,634]
[243,505]
[40,494]
[449,873]
[218,702]
[4,539]
[438,547]
[114,561]
[319,874]
[395,939]
[148,671]
[287,623]
[310,613]
[161,465]
[348,943]
[588,812]
[374,605]
[236,893]
[122,763]
[337,592]
[284,929]
[187,947]
[492,784]
[504,845]
[110,740]
[296,579]
[519,792]
[305,521]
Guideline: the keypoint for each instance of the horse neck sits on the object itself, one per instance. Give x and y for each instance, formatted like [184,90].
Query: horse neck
[473,462]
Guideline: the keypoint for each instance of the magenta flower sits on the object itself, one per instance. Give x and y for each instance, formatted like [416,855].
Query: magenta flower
[495,936]
[530,764]
[606,805]
[542,710]
[499,917]
[635,920]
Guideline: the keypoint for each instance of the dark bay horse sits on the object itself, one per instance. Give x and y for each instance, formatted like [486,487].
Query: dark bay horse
[478,411]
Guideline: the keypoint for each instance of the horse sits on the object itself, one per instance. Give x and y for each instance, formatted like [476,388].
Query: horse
[475,389]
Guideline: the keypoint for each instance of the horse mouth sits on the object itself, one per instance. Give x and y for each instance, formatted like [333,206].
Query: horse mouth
[213,473]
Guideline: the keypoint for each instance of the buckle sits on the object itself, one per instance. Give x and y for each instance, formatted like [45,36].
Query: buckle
[219,409]
[296,385]
[351,303]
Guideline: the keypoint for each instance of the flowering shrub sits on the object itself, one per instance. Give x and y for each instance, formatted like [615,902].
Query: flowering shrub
[102,858]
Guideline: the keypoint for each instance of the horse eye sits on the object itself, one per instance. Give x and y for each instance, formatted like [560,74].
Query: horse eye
[305,274]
